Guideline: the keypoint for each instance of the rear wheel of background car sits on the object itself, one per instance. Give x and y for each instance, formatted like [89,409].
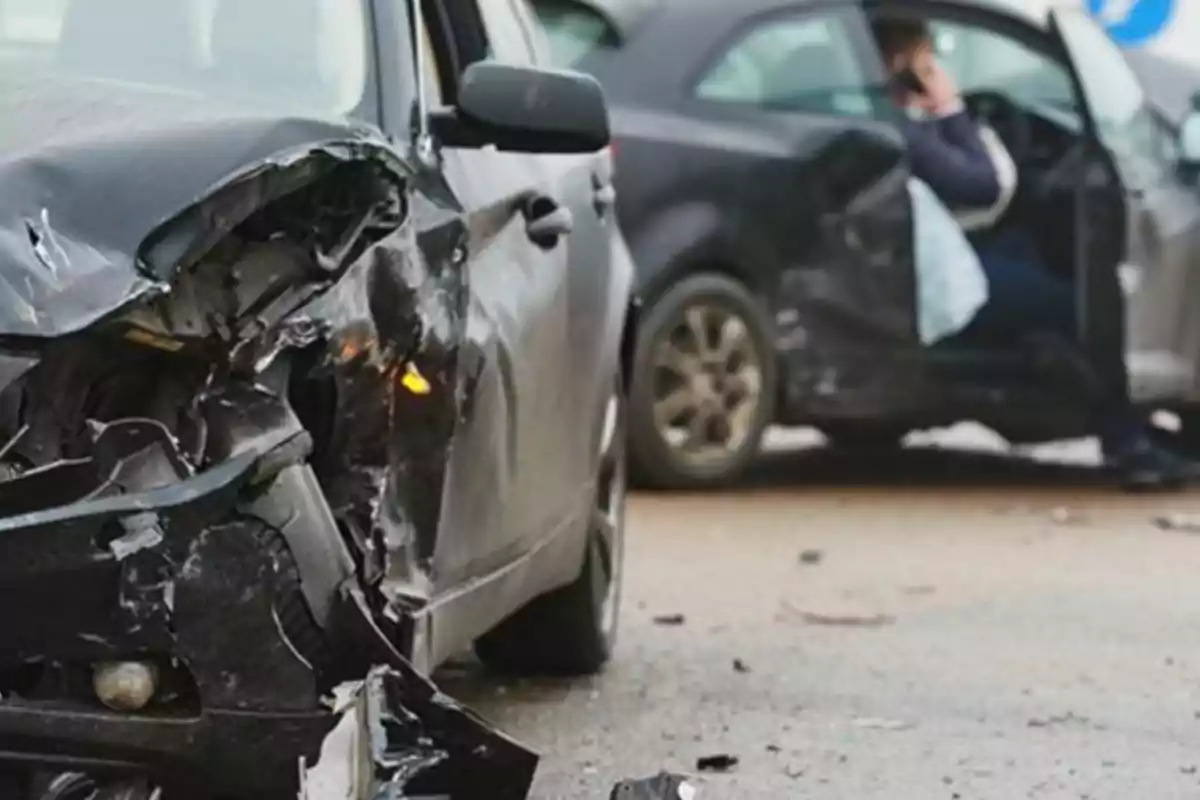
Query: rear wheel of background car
[704,383]
[571,631]
[863,435]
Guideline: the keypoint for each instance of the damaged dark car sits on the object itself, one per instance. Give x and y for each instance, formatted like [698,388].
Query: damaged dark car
[312,331]
[763,180]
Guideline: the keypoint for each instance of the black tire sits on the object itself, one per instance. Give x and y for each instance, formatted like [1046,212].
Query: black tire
[864,436]
[571,632]
[653,463]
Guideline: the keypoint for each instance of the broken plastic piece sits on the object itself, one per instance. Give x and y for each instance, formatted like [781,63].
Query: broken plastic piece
[1183,523]
[663,786]
[398,737]
[721,762]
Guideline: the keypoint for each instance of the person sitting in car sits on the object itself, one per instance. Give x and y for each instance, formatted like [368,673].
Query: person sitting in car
[947,151]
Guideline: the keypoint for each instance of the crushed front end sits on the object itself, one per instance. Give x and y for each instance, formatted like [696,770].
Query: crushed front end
[181,598]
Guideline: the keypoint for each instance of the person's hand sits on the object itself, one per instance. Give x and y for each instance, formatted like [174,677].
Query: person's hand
[941,94]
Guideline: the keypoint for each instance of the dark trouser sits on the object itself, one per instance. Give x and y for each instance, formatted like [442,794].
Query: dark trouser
[1026,301]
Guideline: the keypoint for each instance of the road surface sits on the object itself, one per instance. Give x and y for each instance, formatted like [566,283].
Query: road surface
[906,627]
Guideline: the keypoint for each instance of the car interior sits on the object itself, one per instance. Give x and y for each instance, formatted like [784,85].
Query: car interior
[1024,100]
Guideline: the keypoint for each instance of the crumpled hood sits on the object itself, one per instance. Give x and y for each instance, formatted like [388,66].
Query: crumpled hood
[89,169]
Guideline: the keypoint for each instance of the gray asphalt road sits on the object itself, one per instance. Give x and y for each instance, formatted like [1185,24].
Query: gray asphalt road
[976,627]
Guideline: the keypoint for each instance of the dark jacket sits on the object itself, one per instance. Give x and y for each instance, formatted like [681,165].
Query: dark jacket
[949,156]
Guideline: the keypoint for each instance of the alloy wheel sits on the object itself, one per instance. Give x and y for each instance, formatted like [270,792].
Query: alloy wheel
[707,383]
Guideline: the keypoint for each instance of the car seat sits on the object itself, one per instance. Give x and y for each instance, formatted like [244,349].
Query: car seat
[146,41]
[269,45]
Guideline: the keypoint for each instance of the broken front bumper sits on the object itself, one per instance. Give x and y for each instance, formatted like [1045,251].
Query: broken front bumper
[167,576]
[173,576]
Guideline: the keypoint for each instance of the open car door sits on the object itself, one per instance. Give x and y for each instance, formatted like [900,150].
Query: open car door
[1139,223]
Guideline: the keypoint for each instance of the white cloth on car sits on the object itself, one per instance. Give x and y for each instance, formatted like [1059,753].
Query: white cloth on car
[951,284]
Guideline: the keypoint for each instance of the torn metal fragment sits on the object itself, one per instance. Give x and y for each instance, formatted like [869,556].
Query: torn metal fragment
[398,737]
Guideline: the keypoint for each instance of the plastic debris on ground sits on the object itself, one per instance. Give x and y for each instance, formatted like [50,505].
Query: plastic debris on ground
[663,786]
[720,762]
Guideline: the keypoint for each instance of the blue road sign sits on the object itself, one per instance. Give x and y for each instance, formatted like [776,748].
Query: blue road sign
[1132,23]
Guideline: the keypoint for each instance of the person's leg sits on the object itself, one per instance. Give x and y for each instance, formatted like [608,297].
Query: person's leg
[1026,301]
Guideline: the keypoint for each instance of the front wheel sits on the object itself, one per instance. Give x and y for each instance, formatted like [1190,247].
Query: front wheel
[704,384]
[571,631]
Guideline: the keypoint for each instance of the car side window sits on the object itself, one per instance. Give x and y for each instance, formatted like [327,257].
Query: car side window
[573,31]
[803,63]
[979,58]
[507,39]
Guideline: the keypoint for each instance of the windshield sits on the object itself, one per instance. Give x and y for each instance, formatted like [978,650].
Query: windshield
[308,54]
[574,30]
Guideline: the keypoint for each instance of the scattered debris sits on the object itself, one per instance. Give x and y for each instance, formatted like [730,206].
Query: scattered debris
[1188,770]
[1061,719]
[795,774]
[663,786]
[845,620]
[1182,523]
[721,762]
[774,748]
[881,724]
[1067,516]
[812,557]
[672,620]
[740,666]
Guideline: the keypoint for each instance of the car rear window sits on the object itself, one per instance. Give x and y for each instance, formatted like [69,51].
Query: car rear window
[575,30]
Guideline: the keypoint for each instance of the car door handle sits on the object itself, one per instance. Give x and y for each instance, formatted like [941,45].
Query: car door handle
[546,222]
[605,198]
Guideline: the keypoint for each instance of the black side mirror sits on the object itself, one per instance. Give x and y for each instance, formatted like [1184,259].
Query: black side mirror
[521,109]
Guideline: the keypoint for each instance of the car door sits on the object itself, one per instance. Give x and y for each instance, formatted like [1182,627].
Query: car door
[506,494]
[595,292]
[828,202]
[1159,234]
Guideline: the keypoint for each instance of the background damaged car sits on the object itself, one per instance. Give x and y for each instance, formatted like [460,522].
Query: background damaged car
[762,178]
[296,378]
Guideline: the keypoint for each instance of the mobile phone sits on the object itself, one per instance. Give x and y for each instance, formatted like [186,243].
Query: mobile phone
[909,80]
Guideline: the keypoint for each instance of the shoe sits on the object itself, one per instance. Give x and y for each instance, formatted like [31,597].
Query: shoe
[1144,466]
